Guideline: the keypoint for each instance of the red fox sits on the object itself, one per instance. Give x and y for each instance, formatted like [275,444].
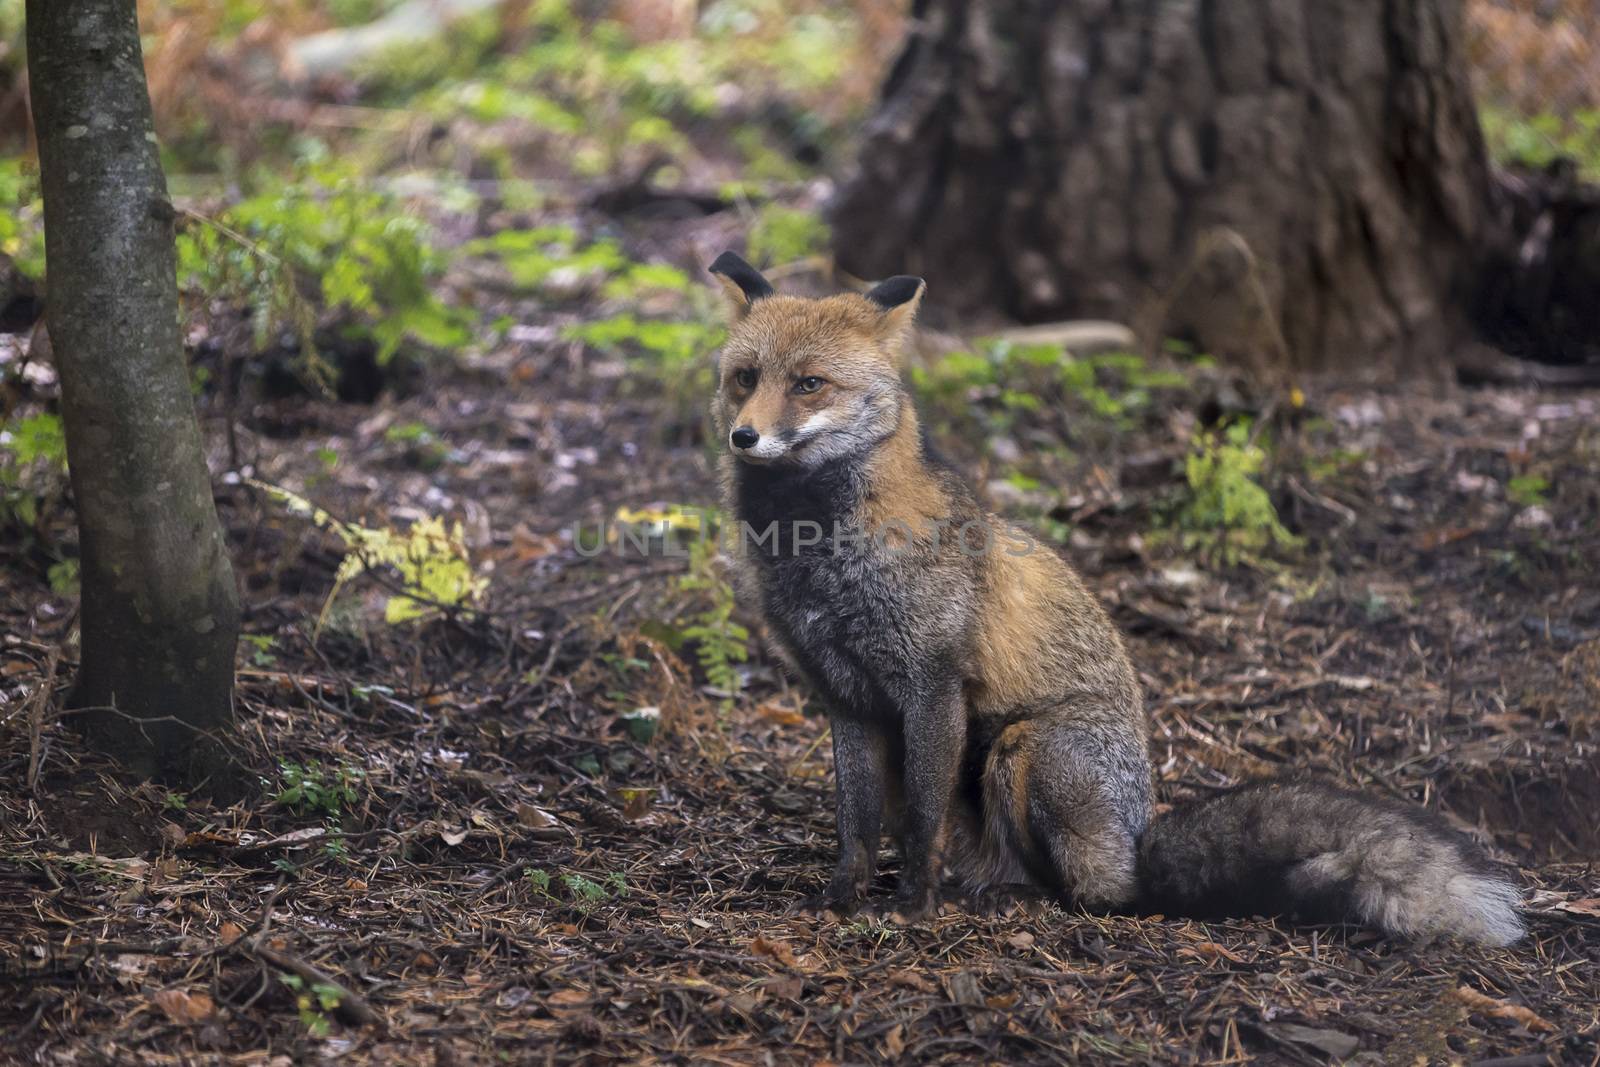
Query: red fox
[982,704]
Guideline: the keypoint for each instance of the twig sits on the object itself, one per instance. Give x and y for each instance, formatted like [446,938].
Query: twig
[352,1007]
[37,706]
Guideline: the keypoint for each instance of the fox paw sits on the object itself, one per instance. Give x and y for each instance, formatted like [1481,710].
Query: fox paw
[842,898]
[914,905]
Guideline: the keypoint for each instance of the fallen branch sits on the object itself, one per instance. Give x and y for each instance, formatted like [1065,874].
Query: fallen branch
[352,1007]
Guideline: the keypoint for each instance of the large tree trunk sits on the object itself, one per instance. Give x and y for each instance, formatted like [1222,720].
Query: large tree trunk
[160,613]
[1248,173]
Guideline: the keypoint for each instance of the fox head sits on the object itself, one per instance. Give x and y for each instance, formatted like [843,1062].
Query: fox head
[805,382]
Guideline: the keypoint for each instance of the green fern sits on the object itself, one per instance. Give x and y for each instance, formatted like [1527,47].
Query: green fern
[720,643]
[1228,512]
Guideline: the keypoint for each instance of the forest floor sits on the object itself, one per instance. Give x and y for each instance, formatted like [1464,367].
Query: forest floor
[459,840]
[484,863]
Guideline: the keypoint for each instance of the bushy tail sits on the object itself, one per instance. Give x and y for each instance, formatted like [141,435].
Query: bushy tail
[1310,849]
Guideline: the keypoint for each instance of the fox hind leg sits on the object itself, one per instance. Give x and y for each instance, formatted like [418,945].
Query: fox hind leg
[1070,791]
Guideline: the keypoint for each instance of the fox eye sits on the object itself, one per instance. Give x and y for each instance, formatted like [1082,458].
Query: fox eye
[745,377]
[808,385]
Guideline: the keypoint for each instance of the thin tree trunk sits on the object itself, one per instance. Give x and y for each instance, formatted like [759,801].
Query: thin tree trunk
[160,613]
[1243,172]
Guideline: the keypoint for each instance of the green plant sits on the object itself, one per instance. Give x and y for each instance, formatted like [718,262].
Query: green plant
[783,235]
[435,569]
[421,445]
[1540,139]
[336,848]
[537,258]
[324,238]
[260,646]
[1227,511]
[63,577]
[315,1002]
[719,642]
[22,217]
[33,485]
[312,788]
[1000,383]
[670,355]
[1528,490]
[582,892]
[33,465]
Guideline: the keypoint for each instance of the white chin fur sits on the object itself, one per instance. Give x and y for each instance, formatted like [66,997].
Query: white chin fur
[766,450]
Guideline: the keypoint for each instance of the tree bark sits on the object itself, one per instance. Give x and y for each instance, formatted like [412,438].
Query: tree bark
[1248,174]
[160,612]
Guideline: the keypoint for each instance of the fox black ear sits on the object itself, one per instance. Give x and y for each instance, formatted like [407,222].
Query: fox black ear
[898,297]
[893,292]
[742,283]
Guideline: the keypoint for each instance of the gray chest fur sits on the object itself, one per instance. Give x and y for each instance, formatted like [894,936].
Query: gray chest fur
[872,625]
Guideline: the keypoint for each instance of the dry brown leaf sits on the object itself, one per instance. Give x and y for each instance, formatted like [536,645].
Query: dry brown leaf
[567,1001]
[894,1041]
[777,950]
[1429,540]
[786,987]
[1210,950]
[533,817]
[1501,1009]
[911,980]
[1584,906]
[229,933]
[185,1009]
[1021,940]
[781,713]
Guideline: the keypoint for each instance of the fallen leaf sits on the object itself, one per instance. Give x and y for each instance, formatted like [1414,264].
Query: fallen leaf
[173,834]
[787,987]
[1210,950]
[894,1040]
[962,988]
[453,837]
[1021,940]
[185,1009]
[911,980]
[1334,1042]
[515,997]
[129,966]
[1585,906]
[743,1003]
[564,1002]
[526,545]
[781,713]
[293,838]
[230,932]
[1429,540]
[533,817]
[777,950]
[1501,1009]
[131,867]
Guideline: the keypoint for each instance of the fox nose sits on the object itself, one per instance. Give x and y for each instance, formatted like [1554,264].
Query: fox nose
[745,437]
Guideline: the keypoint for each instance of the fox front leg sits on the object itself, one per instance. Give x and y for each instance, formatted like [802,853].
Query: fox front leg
[861,771]
[935,738]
